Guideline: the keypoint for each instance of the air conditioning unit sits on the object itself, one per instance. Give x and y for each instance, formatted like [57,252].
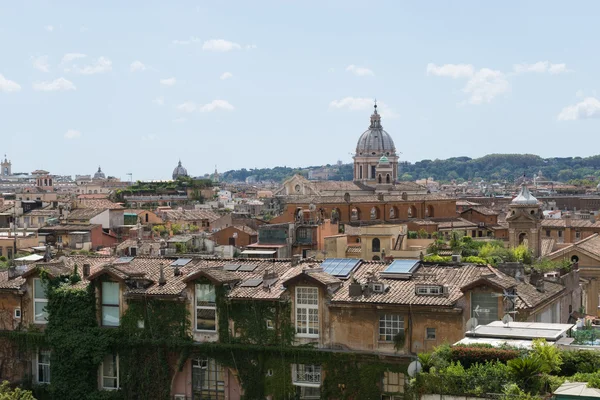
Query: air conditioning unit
[179,397]
[456,258]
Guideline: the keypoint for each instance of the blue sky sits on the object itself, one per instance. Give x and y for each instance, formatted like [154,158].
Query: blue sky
[134,86]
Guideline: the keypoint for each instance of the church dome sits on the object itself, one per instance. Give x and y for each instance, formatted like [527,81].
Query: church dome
[179,171]
[524,198]
[375,141]
[99,174]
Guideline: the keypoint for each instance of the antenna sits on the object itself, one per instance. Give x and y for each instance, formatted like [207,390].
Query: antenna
[472,324]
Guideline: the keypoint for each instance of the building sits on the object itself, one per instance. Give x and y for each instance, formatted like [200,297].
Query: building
[525,222]
[237,235]
[5,167]
[179,171]
[294,323]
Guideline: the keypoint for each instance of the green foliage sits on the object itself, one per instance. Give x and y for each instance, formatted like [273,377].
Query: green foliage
[437,259]
[526,371]
[592,379]
[522,254]
[475,260]
[585,336]
[176,229]
[512,391]
[546,265]
[181,248]
[549,355]
[194,228]
[586,361]
[399,340]
[413,235]
[7,393]
[423,234]
[471,355]
[160,230]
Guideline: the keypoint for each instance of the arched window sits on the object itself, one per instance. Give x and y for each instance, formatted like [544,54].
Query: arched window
[574,259]
[387,178]
[354,214]
[360,172]
[376,258]
[522,238]
[393,212]
[379,178]
[412,212]
[376,245]
[429,211]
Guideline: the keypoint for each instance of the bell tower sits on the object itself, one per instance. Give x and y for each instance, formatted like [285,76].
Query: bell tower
[525,222]
[5,167]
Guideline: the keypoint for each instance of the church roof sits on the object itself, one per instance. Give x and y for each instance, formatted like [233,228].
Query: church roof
[179,171]
[375,141]
[99,174]
[524,198]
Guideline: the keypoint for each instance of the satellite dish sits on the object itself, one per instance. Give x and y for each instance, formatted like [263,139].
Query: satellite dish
[472,324]
[414,368]
[312,207]
[507,319]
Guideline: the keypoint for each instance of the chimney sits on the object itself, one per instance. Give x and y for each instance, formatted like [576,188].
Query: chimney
[162,280]
[296,258]
[355,289]
[86,270]
[535,277]
[176,271]
[12,272]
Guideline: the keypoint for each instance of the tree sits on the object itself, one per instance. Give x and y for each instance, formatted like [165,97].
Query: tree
[6,393]
[176,229]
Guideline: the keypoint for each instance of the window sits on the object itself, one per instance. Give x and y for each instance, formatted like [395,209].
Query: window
[59,239]
[26,220]
[40,221]
[206,308]
[270,324]
[17,313]
[110,372]
[559,233]
[389,326]
[430,334]
[306,375]
[577,235]
[40,300]
[110,304]
[392,383]
[484,307]
[548,232]
[207,379]
[9,253]
[373,170]
[307,311]
[429,289]
[43,366]
[302,233]
[376,245]
[307,392]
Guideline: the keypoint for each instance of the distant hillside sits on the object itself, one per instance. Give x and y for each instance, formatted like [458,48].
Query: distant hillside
[493,167]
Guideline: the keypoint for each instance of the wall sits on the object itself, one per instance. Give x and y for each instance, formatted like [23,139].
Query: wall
[243,239]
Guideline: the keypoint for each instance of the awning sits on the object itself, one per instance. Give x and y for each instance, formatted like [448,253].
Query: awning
[258,252]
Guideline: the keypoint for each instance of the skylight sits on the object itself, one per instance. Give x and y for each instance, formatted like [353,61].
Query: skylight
[339,267]
[400,269]
[180,262]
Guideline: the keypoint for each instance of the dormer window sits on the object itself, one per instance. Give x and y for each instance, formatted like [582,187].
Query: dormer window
[40,300]
[206,308]
[110,304]
[378,287]
[429,289]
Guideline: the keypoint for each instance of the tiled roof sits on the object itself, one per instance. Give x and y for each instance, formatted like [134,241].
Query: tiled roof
[547,246]
[10,284]
[189,215]
[246,229]
[371,198]
[84,213]
[482,210]
[574,223]
[456,223]
[353,250]
[68,227]
[590,245]
[98,203]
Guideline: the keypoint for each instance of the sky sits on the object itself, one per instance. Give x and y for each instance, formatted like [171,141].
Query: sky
[135,86]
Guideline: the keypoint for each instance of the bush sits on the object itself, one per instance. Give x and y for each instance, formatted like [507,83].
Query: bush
[593,379]
[526,372]
[549,356]
[437,259]
[475,260]
[468,356]
[585,361]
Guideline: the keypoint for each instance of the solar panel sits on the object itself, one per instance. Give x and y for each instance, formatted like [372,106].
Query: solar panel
[254,282]
[180,262]
[401,267]
[247,267]
[124,260]
[231,267]
[339,267]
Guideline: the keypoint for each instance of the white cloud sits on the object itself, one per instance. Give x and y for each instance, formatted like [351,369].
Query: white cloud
[137,66]
[451,70]
[226,75]
[363,103]
[49,28]
[149,138]
[485,85]
[587,108]
[331,69]
[179,120]
[168,81]
[59,84]
[250,46]
[101,65]
[41,63]
[220,45]
[216,105]
[159,101]
[541,67]
[72,134]
[192,39]
[359,71]
[71,57]
[580,93]
[187,107]
[8,86]
[352,103]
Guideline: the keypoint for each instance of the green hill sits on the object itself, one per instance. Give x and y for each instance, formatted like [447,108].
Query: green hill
[493,167]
